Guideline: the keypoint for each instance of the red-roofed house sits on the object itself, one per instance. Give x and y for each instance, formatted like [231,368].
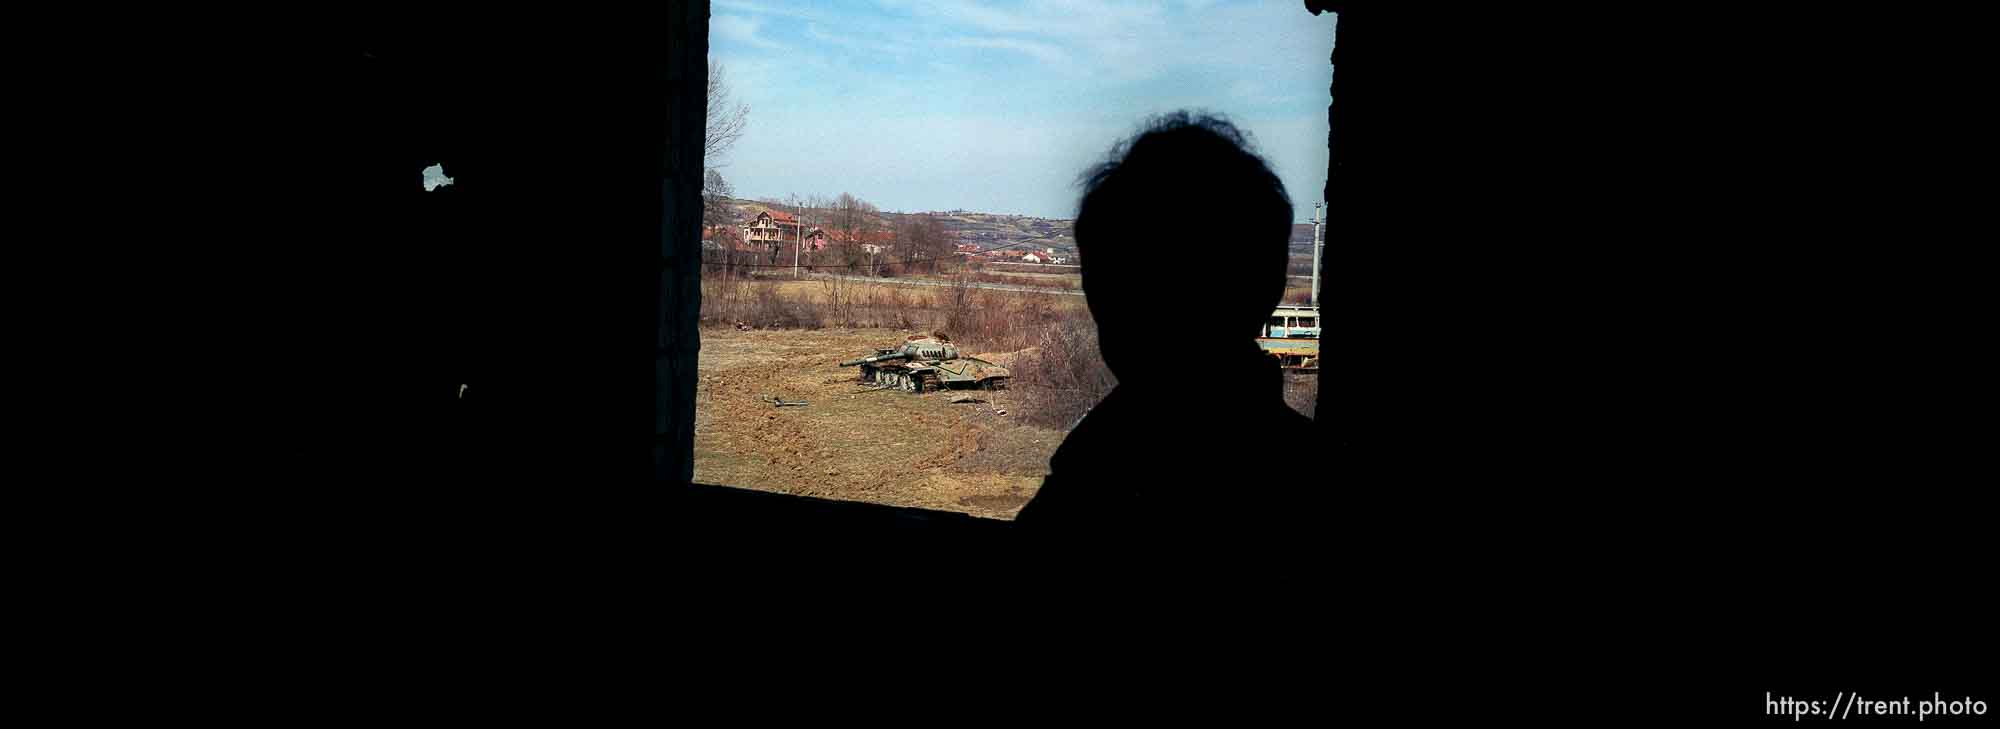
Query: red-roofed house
[771,227]
[817,239]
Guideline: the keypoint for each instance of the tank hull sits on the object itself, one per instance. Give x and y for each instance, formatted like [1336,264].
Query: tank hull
[926,363]
[965,373]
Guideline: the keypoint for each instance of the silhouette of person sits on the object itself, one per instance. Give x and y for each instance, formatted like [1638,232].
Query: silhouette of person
[1183,234]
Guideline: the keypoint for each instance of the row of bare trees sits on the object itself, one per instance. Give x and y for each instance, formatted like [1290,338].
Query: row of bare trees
[910,243]
[921,240]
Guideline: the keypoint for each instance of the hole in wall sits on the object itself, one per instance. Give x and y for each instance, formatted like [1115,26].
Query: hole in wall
[434,178]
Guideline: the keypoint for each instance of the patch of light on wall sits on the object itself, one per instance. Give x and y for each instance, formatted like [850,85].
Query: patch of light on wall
[434,177]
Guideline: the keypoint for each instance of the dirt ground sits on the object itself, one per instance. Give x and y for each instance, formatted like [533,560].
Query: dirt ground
[850,442]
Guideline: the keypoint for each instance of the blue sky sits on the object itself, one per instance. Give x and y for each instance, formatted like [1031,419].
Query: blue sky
[997,106]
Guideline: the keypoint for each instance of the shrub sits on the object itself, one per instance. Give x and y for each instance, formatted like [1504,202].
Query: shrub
[1065,378]
[723,301]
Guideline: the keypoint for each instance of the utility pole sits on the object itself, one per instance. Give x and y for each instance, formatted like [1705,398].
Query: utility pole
[1319,222]
[798,241]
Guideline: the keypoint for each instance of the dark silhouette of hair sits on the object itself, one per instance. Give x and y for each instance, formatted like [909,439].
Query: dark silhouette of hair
[1185,229]
[1183,233]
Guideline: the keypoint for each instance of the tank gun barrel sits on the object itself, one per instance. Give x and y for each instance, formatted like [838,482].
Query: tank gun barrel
[876,358]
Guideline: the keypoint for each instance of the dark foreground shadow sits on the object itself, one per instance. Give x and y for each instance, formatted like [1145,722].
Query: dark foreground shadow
[1195,441]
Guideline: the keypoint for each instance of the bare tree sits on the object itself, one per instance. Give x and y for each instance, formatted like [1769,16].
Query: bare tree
[841,217]
[848,214]
[715,194]
[852,256]
[813,213]
[720,261]
[724,125]
[726,117]
[855,219]
[920,238]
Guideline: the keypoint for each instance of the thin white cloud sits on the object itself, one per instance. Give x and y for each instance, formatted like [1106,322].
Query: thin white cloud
[819,34]
[1115,41]
[971,15]
[1043,18]
[739,29]
[1043,52]
[759,8]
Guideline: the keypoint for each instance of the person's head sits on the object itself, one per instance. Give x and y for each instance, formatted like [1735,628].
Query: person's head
[1183,233]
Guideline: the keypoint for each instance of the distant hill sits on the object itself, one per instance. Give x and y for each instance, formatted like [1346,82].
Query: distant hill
[989,230]
[1302,234]
[993,230]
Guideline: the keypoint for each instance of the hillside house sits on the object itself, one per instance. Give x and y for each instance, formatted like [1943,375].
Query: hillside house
[771,228]
[1032,258]
[817,239]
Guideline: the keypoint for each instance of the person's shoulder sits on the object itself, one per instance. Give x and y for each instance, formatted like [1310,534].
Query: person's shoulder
[1289,426]
[1289,418]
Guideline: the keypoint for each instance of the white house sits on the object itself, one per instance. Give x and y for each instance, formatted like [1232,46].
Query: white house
[1032,258]
[771,227]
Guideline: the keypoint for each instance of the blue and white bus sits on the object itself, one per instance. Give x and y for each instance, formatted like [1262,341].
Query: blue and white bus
[1292,336]
[1293,321]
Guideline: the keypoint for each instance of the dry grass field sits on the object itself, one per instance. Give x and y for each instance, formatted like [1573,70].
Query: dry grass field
[784,339]
[852,442]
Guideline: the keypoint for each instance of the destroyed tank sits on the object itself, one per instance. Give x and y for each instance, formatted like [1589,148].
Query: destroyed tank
[923,363]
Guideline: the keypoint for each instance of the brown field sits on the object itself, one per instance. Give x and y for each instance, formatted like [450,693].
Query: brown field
[991,274]
[853,443]
[922,301]
[786,338]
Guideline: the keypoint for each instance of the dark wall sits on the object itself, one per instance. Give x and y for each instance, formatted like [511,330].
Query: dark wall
[530,279]
[1600,353]
[679,309]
